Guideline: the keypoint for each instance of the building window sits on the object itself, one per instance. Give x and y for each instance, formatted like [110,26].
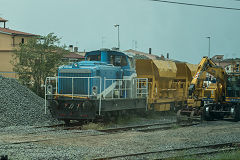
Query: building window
[22,40]
[13,44]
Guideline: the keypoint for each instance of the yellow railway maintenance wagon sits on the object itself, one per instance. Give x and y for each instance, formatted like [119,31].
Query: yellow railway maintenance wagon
[168,82]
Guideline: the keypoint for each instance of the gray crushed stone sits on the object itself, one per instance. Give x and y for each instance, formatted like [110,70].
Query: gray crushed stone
[20,106]
[91,144]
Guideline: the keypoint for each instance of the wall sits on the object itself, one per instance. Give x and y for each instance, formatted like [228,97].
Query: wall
[6,51]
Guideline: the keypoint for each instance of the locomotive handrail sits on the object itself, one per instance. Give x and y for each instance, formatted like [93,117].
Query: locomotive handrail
[142,87]
[61,77]
[118,88]
[49,91]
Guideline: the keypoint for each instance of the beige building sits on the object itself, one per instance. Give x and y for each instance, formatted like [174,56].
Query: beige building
[230,64]
[9,40]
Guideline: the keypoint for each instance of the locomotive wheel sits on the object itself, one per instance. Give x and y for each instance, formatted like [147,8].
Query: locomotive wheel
[206,113]
[67,122]
[219,116]
[173,108]
[236,113]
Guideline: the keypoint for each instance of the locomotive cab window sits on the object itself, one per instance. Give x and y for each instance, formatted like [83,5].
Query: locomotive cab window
[123,61]
[131,61]
[94,58]
[117,60]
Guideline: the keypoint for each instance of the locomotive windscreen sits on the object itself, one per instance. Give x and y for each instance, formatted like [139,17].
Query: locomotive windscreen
[70,83]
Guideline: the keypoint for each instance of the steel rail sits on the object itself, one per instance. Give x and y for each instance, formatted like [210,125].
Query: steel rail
[233,145]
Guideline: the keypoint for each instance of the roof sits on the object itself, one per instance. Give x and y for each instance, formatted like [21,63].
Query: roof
[217,58]
[3,20]
[150,56]
[14,32]
[231,60]
[73,55]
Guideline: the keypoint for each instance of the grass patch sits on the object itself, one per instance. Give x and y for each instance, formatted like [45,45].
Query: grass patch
[136,117]
[93,126]
[157,115]
[127,119]
[229,155]
[175,126]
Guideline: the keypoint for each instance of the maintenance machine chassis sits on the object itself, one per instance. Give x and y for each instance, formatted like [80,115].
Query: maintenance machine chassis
[66,109]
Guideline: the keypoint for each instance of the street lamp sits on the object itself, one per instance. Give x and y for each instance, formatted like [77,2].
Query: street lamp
[117,25]
[209,40]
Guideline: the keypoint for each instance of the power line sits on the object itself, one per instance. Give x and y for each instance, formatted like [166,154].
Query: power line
[235,0]
[198,5]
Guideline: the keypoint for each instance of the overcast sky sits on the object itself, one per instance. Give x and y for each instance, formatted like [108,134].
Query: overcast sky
[178,30]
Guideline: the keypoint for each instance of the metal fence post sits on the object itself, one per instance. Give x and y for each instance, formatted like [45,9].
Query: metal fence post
[45,96]
[100,99]
[104,86]
[88,87]
[112,89]
[56,85]
[72,87]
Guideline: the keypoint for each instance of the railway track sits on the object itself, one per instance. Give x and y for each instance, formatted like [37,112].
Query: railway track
[148,127]
[178,152]
[77,128]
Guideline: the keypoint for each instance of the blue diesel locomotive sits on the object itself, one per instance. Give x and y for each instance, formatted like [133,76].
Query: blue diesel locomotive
[105,83]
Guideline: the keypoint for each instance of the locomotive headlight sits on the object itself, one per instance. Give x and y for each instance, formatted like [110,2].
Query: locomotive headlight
[232,110]
[207,109]
[94,90]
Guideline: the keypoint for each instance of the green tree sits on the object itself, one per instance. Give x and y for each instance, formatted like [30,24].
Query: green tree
[37,59]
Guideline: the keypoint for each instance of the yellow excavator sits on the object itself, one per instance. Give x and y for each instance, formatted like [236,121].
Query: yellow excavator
[201,93]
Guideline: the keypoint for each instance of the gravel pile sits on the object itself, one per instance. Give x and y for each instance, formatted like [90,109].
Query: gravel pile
[20,106]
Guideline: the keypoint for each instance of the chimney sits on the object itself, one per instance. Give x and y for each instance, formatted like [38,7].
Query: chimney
[167,55]
[75,49]
[3,21]
[70,48]
[150,51]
